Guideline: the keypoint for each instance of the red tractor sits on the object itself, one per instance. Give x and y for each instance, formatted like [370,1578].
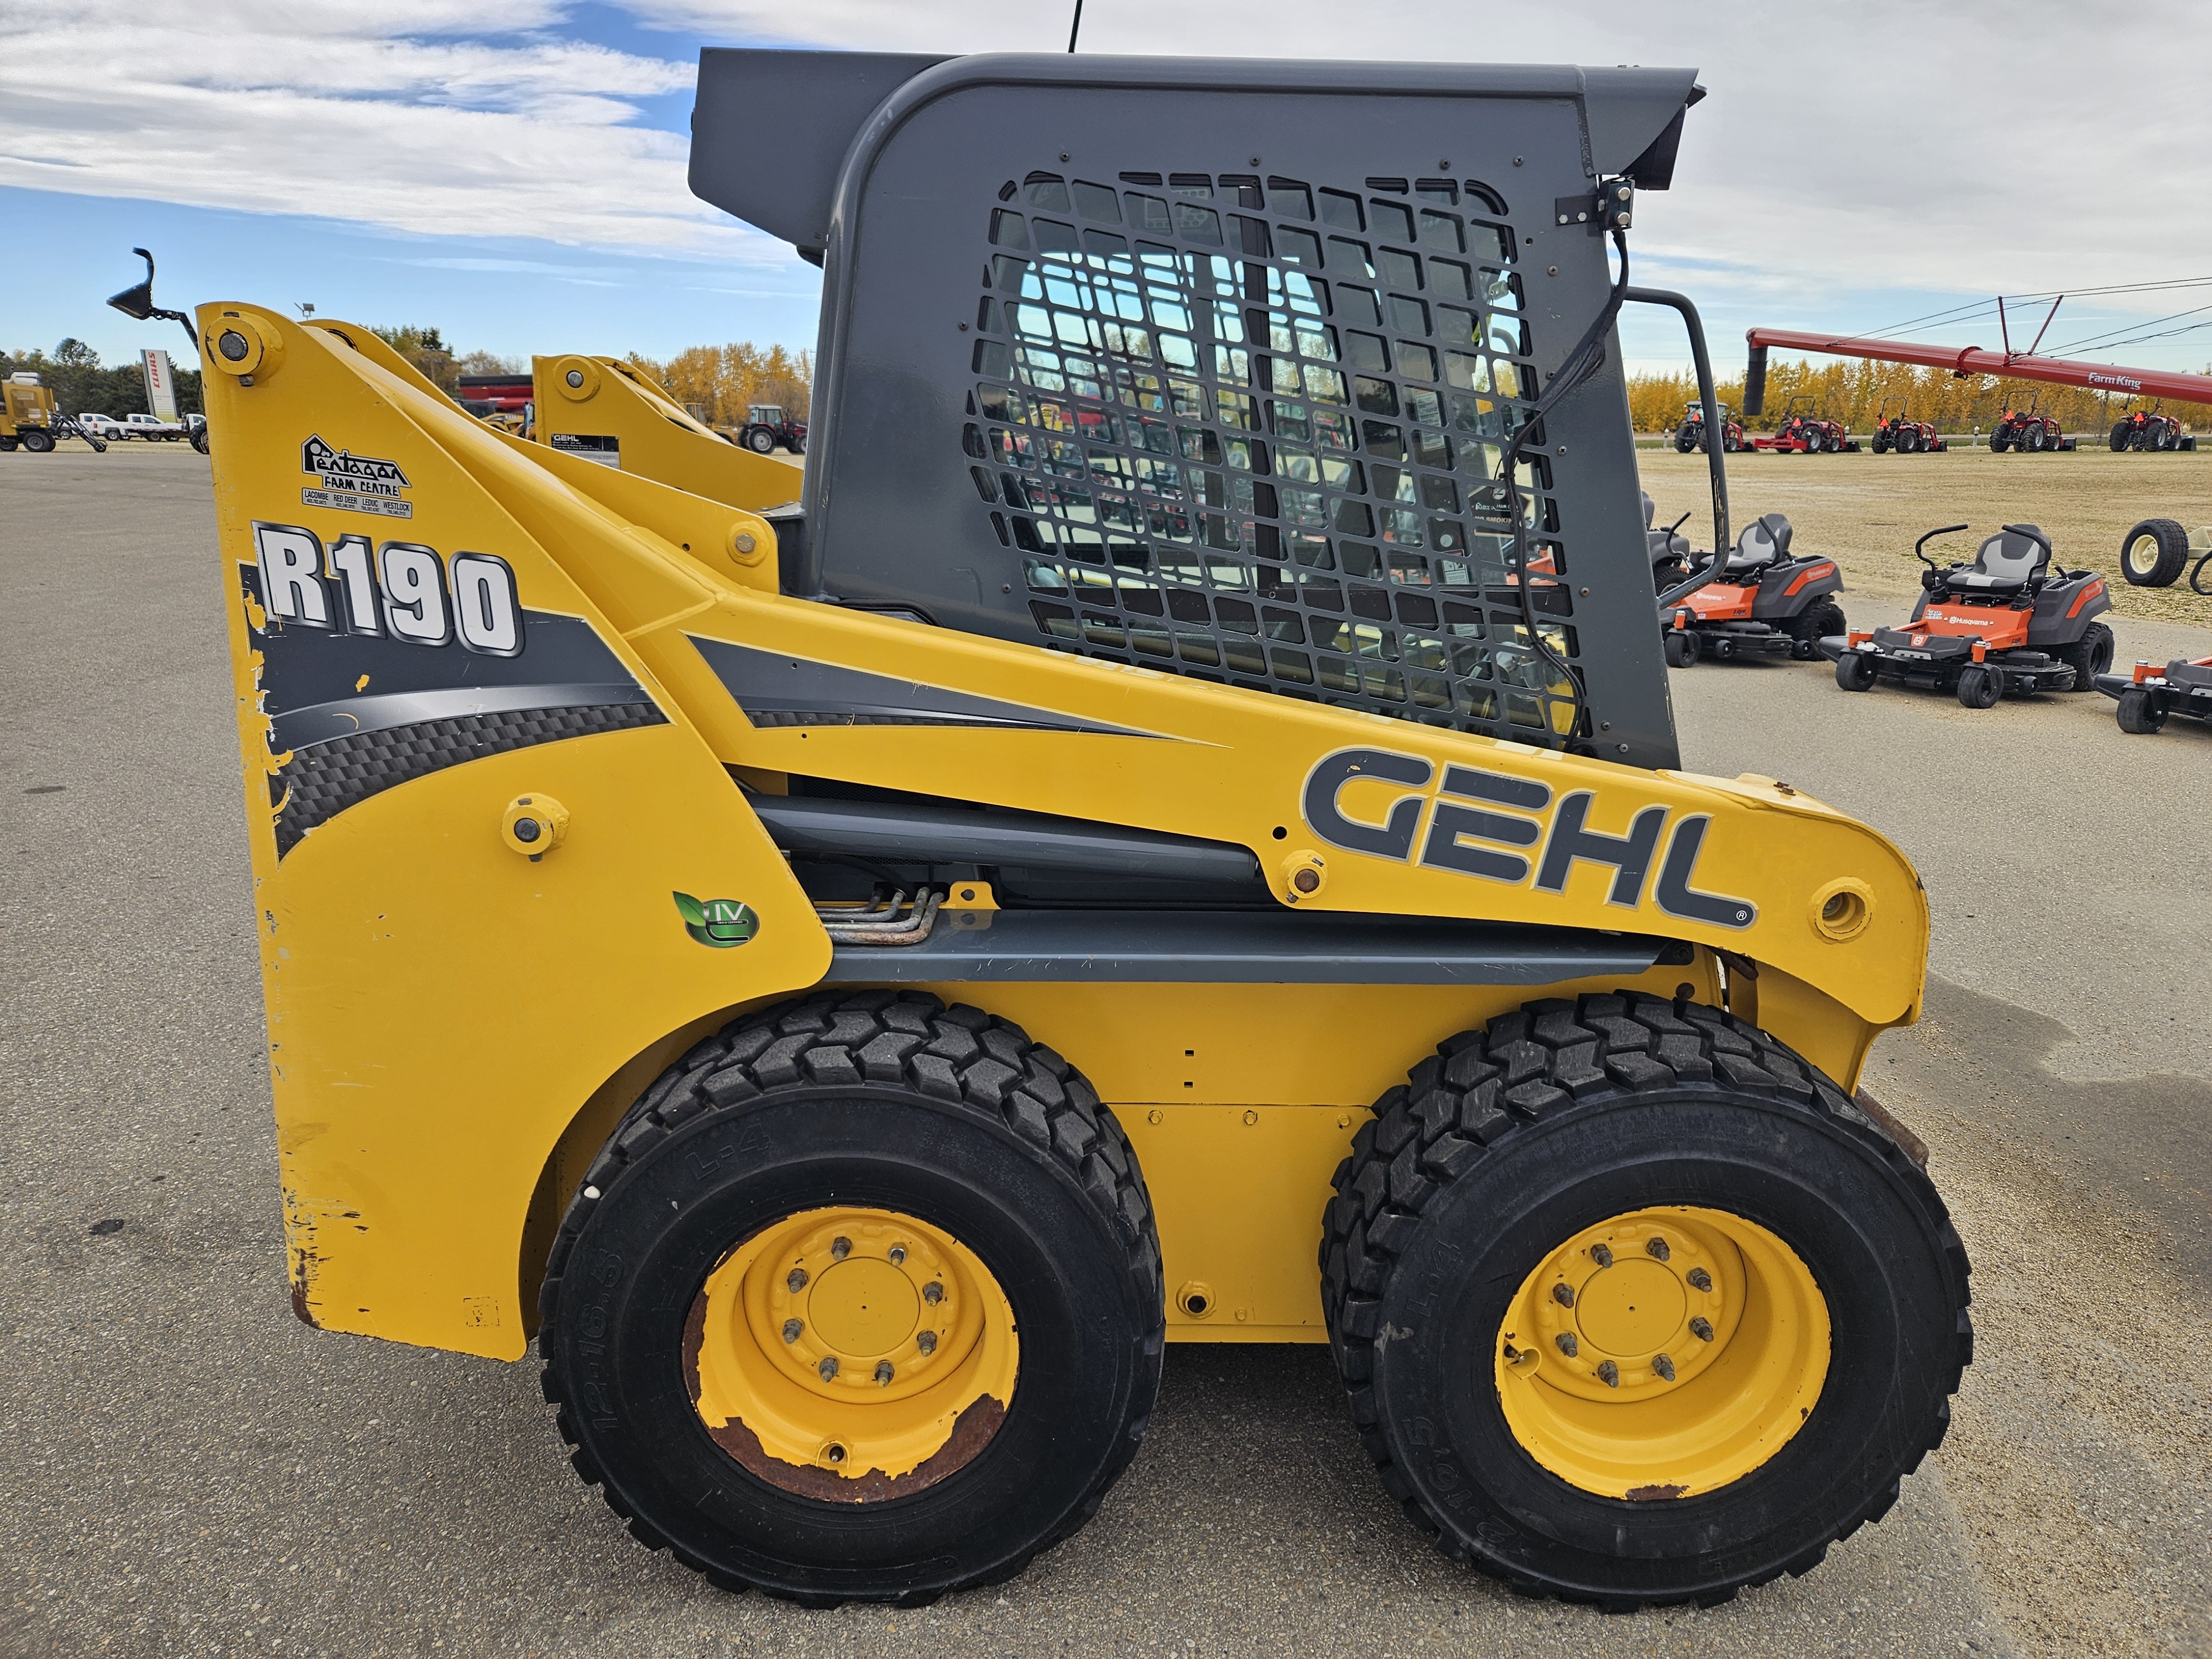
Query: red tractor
[1691,434]
[1804,432]
[1905,435]
[766,428]
[2147,429]
[2029,431]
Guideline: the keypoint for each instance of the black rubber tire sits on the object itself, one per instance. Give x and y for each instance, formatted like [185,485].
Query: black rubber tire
[880,1099]
[798,445]
[1907,441]
[2089,656]
[2119,438]
[1980,685]
[1513,1138]
[38,442]
[1730,444]
[1999,442]
[200,438]
[2033,439]
[1814,443]
[2137,714]
[1881,445]
[1855,672]
[2152,554]
[1681,648]
[760,441]
[1820,623]
[2166,438]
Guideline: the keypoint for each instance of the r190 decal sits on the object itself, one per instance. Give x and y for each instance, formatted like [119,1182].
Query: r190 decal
[1485,824]
[401,589]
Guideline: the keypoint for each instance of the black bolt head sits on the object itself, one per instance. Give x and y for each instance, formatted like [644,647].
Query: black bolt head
[840,1248]
[884,1372]
[1702,1329]
[829,1369]
[1663,1366]
[526,829]
[233,345]
[1568,1345]
[1602,1255]
[792,1327]
[1656,1248]
[1700,1279]
[927,1341]
[1609,1373]
[796,1280]
[1563,1295]
[932,1293]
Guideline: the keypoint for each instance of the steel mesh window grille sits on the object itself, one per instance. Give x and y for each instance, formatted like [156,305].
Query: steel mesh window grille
[1250,430]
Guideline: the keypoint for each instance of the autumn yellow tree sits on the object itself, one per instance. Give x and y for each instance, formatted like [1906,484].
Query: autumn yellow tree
[720,383]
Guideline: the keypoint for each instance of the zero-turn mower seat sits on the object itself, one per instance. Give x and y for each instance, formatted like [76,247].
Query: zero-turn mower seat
[2005,564]
[1765,540]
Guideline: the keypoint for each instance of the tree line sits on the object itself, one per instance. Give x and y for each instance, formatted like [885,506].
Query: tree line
[717,384]
[1855,390]
[82,385]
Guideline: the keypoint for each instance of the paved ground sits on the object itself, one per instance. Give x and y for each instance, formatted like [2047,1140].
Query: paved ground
[186,1469]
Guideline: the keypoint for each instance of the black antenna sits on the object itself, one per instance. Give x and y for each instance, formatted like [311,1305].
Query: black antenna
[1076,27]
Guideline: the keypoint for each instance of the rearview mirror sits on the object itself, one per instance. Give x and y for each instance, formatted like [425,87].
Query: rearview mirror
[137,300]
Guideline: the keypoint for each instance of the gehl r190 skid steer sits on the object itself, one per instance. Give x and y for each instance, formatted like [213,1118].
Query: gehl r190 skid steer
[1173,841]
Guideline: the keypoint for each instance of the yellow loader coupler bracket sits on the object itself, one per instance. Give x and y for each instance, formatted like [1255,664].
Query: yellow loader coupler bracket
[1172,837]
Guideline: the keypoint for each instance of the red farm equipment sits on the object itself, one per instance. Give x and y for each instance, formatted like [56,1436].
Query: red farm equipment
[2150,430]
[2020,429]
[1691,434]
[1802,431]
[1901,433]
[2028,430]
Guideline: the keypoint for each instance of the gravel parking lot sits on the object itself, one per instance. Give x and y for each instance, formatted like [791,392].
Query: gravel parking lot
[187,1469]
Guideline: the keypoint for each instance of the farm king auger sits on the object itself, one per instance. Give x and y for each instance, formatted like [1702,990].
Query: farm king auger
[2132,383]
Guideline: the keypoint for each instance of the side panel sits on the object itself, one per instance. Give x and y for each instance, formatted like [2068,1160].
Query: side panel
[442,998]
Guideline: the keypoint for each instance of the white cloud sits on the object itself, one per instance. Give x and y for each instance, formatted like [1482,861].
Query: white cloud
[1845,154]
[378,115]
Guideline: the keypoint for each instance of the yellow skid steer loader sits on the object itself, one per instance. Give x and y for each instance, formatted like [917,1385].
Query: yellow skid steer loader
[1173,838]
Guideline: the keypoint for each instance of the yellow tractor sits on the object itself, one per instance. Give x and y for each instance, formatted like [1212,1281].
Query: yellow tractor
[30,419]
[1174,838]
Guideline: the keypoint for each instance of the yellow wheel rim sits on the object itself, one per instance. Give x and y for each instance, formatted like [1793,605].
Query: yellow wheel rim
[1662,1353]
[851,1355]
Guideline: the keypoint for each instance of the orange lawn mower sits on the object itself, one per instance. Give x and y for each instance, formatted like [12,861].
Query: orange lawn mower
[2008,623]
[1763,601]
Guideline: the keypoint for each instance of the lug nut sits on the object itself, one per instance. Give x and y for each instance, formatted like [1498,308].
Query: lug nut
[1663,1366]
[792,1327]
[932,1293]
[927,1341]
[1702,1329]
[898,1256]
[1700,1279]
[1607,1373]
[884,1371]
[1656,1248]
[1568,1345]
[796,1282]
[1602,1255]
[840,1248]
[1563,1295]
[829,1369]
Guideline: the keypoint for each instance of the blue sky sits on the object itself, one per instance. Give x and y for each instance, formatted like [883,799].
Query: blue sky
[522,188]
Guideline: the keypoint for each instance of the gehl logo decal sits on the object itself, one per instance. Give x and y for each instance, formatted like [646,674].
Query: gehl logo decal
[1486,824]
[402,589]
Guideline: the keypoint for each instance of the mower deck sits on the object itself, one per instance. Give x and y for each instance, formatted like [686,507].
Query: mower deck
[2147,697]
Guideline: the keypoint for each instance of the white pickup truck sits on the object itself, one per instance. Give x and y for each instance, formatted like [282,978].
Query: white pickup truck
[149,428]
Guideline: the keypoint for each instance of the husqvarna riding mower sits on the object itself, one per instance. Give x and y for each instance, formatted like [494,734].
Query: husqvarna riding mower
[856,989]
[1763,601]
[2150,694]
[2005,624]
